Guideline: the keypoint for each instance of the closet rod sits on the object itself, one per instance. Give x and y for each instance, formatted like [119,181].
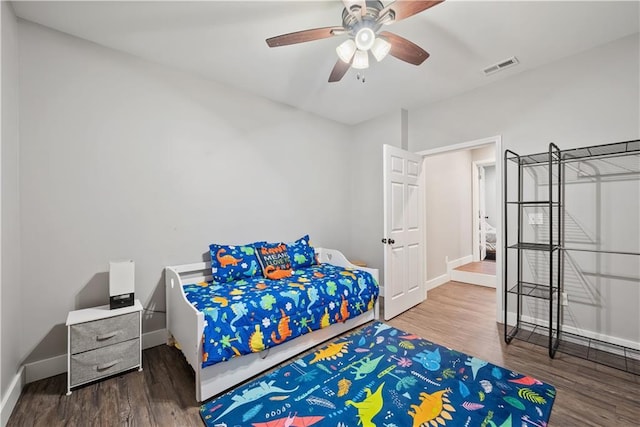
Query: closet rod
[601,251]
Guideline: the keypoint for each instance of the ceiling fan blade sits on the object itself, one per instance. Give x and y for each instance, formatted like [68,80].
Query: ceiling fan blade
[361,3]
[339,70]
[404,49]
[304,36]
[402,9]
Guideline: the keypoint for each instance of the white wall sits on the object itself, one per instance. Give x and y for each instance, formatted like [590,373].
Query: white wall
[448,201]
[488,152]
[604,289]
[367,216]
[122,158]
[10,284]
[587,99]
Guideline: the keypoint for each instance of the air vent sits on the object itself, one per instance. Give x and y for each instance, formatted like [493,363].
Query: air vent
[510,62]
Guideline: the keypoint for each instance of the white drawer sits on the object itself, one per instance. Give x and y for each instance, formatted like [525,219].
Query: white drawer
[105,361]
[104,332]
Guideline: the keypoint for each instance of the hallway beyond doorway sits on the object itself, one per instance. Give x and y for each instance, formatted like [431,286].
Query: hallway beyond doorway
[482,267]
[481,273]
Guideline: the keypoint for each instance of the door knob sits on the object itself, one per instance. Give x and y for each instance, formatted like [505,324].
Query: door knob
[384,241]
[391,241]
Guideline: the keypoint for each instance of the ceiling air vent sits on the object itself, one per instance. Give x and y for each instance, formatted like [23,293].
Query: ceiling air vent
[501,65]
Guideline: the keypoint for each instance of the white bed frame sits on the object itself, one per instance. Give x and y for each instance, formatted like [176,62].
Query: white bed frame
[185,326]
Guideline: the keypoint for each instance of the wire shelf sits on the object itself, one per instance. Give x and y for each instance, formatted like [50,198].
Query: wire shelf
[535,246]
[534,290]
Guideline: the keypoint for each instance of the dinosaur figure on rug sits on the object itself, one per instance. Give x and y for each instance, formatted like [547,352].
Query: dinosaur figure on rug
[475,364]
[434,409]
[369,407]
[252,394]
[430,360]
[364,366]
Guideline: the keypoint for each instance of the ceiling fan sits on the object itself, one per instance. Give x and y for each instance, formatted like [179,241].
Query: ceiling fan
[362,22]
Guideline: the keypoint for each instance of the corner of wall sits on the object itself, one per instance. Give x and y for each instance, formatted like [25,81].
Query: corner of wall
[11,373]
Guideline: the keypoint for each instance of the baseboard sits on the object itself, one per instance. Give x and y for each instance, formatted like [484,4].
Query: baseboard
[154,338]
[45,368]
[437,281]
[474,278]
[58,364]
[458,262]
[11,397]
[602,337]
[511,319]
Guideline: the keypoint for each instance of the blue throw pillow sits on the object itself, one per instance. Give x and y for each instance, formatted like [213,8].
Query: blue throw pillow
[234,262]
[301,253]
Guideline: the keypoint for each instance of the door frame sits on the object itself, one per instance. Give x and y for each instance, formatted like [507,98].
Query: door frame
[475,193]
[497,141]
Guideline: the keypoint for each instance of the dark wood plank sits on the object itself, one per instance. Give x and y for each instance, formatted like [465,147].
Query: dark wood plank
[456,315]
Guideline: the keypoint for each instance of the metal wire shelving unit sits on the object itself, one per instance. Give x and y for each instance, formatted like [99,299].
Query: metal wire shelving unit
[547,290]
[543,280]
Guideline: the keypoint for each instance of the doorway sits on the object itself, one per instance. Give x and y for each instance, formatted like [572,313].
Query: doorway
[453,221]
[484,210]
[482,269]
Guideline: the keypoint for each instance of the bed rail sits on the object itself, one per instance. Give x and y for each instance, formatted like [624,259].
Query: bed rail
[185,324]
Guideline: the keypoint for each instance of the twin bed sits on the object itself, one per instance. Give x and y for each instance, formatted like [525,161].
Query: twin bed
[229,332]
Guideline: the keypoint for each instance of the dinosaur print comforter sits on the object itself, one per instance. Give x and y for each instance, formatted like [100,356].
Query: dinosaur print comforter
[253,314]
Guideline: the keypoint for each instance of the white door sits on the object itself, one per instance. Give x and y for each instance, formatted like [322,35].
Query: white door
[482,213]
[403,211]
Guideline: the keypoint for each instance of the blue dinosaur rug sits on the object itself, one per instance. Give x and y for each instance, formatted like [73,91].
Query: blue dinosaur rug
[381,376]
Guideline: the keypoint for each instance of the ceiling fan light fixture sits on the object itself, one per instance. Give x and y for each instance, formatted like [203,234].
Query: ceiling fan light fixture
[361,60]
[345,50]
[364,38]
[380,49]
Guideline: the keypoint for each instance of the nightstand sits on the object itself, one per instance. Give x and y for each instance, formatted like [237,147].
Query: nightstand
[103,342]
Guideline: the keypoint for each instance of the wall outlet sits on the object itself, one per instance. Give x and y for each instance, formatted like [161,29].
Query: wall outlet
[536,218]
[565,299]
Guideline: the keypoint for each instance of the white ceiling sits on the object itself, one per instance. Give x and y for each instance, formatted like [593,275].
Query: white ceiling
[225,41]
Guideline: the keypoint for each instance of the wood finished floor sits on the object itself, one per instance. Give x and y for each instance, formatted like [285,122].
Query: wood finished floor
[483,267]
[456,315]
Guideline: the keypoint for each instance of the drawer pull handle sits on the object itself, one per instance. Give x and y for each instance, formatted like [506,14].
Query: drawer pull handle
[107,335]
[108,365]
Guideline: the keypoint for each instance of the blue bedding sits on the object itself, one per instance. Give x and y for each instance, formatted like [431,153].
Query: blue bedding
[253,314]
